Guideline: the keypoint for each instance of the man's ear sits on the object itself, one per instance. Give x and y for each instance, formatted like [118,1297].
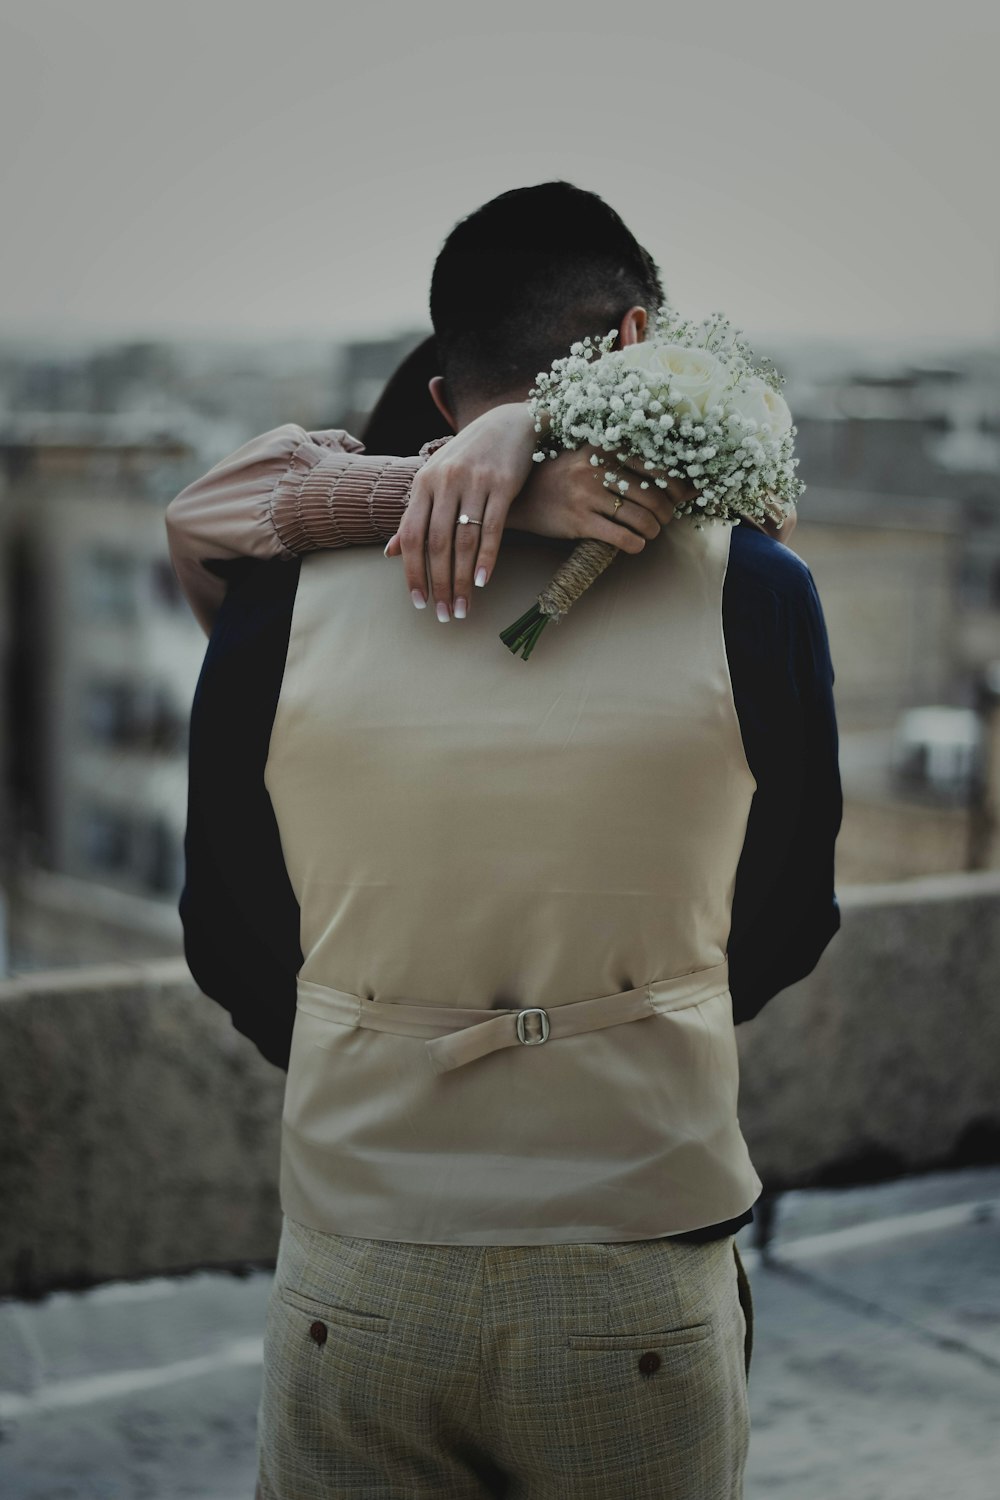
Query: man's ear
[436,387]
[632,329]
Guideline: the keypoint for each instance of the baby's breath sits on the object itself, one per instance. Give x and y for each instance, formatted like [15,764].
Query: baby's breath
[738,466]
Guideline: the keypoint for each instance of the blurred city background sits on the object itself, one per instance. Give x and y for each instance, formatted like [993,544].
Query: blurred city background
[900,525]
[214,251]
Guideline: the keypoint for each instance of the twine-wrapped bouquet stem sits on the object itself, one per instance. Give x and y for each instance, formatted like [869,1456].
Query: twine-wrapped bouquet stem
[586,562]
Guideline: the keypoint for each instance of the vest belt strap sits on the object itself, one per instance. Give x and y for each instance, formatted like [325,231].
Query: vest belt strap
[482,1031]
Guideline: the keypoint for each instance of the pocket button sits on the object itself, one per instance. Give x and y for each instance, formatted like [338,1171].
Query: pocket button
[649,1362]
[317,1332]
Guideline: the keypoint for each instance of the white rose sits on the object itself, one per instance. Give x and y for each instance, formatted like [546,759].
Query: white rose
[719,393]
[764,405]
[692,374]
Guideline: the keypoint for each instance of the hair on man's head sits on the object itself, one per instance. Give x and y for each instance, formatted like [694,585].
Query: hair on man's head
[526,275]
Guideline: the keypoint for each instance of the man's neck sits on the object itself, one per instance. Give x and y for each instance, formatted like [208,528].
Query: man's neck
[468,411]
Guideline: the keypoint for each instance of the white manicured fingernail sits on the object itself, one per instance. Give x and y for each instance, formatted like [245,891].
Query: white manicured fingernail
[418,598]
[443,612]
[480,577]
[460,608]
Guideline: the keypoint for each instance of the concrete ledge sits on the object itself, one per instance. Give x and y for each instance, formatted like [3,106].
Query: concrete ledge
[140,973]
[922,890]
[139,1132]
[885,1059]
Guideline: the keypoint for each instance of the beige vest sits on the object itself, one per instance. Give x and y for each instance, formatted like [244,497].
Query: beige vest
[516,879]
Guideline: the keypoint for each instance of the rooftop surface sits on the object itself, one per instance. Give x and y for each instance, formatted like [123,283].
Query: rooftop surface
[875,1373]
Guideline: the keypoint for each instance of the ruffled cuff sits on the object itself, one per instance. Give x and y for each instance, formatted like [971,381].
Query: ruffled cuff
[326,500]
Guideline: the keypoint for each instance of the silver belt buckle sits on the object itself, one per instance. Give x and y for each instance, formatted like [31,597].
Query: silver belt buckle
[532,1041]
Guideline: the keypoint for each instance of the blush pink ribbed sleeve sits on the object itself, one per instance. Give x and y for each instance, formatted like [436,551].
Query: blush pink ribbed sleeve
[286,492]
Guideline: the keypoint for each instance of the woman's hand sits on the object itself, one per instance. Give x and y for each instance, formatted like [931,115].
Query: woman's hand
[566,497]
[487,472]
[478,473]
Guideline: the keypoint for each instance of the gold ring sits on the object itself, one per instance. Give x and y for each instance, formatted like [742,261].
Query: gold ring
[618,501]
[465,520]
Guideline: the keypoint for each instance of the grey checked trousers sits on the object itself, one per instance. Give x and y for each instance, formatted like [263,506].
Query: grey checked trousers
[533,1372]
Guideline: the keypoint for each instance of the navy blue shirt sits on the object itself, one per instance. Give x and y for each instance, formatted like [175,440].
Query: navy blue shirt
[240,915]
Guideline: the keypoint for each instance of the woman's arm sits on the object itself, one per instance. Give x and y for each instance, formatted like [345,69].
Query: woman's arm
[286,492]
[290,491]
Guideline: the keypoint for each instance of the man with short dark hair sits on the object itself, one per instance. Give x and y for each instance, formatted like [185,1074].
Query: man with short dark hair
[498,920]
[523,277]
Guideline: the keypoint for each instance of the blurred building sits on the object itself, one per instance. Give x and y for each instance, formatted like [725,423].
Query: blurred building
[226,390]
[98,652]
[900,525]
[98,656]
[102,653]
[888,569]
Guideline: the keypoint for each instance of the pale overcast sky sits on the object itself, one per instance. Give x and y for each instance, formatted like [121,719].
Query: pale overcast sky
[206,166]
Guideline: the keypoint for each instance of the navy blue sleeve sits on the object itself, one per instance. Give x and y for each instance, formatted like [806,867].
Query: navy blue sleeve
[238,911]
[785,908]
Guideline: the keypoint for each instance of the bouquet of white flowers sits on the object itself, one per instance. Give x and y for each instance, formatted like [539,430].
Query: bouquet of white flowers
[690,402]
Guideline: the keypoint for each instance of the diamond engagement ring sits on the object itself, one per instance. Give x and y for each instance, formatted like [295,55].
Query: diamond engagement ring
[464,520]
[618,501]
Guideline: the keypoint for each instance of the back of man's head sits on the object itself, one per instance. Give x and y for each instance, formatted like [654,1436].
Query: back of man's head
[523,277]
